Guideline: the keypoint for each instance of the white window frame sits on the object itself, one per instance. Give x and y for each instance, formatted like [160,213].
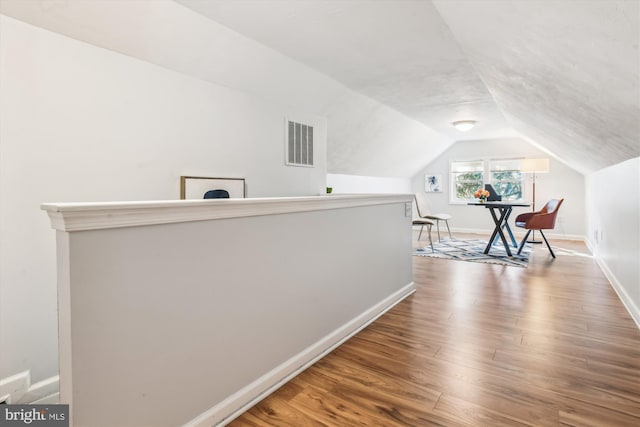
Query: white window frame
[453,198]
[486,178]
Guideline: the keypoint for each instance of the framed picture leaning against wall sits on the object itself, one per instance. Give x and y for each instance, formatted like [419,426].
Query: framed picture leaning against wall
[195,187]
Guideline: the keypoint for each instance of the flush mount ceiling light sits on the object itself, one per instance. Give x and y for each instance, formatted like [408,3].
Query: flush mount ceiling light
[464,125]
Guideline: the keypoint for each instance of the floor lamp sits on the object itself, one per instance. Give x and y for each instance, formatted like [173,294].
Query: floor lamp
[534,166]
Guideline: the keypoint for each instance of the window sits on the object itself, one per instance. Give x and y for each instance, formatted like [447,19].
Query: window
[507,179]
[466,178]
[503,174]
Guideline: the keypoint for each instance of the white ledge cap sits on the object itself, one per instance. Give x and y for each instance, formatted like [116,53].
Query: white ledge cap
[96,216]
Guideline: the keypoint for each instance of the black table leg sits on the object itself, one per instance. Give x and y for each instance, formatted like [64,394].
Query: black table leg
[495,230]
[505,225]
[504,215]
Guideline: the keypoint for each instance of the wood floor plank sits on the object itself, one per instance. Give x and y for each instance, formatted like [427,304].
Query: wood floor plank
[577,414]
[613,371]
[460,411]
[479,345]
[628,329]
[277,412]
[414,394]
[332,408]
[389,404]
[542,359]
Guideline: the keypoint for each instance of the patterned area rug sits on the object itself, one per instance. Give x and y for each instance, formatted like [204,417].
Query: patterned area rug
[472,250]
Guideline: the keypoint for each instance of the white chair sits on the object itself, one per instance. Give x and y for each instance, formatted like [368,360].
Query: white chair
[424,212]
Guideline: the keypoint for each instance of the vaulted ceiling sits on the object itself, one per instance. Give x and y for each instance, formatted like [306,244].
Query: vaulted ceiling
[563,75]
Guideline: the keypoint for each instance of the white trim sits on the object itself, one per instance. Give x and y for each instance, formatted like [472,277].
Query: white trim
[52,399]
[45,391]
[589,246]
[12,388]
[95,216]
[628,303]
[518,234]
[626,300]
[236,404]
[19,389]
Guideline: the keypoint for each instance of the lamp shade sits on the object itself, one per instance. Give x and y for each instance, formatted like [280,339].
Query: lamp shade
[534,165]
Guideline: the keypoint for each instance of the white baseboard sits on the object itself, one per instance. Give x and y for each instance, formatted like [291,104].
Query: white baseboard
[590,246]
[236,404]
[628,303]
[516,232]
[51,399]
[20,390]
[43,391]
[14,387]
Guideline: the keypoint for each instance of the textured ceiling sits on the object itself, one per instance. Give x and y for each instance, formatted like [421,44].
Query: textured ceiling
[561,74]
[398,52]
[564,74]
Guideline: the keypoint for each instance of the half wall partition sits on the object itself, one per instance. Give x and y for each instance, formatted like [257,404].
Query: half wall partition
[188,312]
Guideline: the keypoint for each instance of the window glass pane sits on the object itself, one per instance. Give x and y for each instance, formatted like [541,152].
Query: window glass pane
[508,184]
[466,184]
[506,178]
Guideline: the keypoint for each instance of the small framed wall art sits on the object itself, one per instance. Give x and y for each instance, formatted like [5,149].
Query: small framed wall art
[433,183]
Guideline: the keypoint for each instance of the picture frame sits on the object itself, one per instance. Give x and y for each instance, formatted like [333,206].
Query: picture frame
[194,187]
[433,183]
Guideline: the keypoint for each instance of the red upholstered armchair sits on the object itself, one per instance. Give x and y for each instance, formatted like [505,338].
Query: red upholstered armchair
[544,219]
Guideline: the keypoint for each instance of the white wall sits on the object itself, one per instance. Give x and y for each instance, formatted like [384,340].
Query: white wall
[560,182]
[80,123]
[364,138]
[353,184]
[613,207]
[180,314]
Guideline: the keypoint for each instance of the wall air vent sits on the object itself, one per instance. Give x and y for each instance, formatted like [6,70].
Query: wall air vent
[299,144]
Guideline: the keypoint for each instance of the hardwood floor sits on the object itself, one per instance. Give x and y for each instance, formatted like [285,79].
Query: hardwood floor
[479,345]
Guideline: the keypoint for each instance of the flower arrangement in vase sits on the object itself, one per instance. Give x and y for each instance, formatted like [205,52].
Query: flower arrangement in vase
[481,194]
